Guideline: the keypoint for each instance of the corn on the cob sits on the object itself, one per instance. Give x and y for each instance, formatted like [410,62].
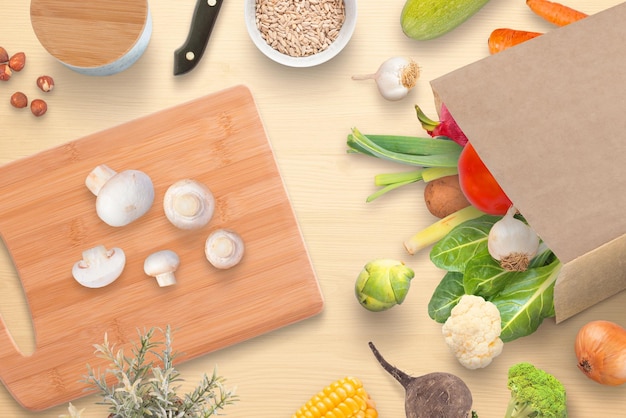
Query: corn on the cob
[345,398]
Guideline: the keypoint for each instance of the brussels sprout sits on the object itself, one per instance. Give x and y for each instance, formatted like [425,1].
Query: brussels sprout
[382,284]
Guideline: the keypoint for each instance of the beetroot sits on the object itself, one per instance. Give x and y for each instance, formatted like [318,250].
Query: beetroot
[446,126]
[436,394]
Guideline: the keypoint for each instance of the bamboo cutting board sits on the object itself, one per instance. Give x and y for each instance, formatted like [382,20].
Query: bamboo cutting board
[47,218]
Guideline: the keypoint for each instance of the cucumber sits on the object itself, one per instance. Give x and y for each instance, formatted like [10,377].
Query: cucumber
[428,19]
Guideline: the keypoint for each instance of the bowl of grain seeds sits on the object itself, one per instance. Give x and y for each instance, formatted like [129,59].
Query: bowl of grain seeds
[300,33]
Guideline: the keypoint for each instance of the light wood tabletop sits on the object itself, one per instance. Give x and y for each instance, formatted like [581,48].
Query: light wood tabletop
[307,114]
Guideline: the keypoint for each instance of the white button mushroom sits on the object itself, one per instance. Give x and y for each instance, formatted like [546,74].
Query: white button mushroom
[188,204]
[224,248]
[121,197]
[162,265]
[99,266]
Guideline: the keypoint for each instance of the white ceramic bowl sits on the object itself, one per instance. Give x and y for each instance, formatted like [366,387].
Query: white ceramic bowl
[347,29]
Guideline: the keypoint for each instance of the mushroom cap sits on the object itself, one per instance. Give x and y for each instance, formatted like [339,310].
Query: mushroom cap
[188,204]
[127,196]
[99,266]
[162,265]
[224,248]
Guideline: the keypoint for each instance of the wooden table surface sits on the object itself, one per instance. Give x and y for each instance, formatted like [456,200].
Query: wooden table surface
[307,114]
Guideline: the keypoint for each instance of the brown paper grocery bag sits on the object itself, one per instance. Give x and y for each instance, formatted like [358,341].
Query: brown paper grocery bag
[548,118]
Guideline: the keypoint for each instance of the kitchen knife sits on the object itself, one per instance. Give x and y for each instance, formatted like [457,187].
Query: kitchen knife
[204,16]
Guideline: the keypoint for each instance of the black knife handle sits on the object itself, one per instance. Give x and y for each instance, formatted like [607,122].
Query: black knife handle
[204,16]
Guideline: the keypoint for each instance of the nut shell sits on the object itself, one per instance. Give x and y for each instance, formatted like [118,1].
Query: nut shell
[17,61]
[5,72]
[19,100]
[45,83]
[4,56]
[38,107]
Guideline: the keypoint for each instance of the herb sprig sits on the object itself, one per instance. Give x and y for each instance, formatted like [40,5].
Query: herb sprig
[144,388]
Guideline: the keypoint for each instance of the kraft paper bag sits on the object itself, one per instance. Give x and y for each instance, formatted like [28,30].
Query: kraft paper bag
[548,118]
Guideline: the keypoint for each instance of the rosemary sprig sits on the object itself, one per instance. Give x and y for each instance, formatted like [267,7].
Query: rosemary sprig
[147,388]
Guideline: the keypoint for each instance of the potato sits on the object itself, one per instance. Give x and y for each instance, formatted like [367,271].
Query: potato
[444,196]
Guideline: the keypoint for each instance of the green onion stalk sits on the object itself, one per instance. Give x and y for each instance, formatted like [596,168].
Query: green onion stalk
[435,157]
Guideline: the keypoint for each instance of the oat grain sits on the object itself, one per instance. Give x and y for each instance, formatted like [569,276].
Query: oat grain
[299,28]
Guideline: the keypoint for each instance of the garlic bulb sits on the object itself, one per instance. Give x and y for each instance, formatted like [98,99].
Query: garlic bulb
[512,242]
[395,77]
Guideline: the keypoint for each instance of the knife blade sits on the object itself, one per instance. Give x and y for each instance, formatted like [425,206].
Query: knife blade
[204,16]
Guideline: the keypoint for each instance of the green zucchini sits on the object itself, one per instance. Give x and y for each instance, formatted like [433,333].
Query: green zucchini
[428,19]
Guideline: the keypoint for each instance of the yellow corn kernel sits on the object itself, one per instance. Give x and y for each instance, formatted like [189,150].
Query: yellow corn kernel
[344,398]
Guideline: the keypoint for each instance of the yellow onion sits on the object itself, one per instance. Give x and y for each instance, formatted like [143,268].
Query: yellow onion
[601,352]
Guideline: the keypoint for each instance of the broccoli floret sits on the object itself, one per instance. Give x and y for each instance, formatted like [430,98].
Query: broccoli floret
[535,393]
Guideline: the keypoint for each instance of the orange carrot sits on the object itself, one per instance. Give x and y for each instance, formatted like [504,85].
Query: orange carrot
[555,13]
[501,39]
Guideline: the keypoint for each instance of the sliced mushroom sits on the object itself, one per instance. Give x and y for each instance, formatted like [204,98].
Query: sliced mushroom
[162,265]
[99,266]
[121,197]
[188,204]
[224,248]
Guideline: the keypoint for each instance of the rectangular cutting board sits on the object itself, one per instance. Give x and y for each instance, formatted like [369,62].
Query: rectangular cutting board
[48,218]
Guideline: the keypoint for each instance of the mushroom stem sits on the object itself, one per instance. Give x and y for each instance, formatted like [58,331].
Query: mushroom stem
[98,177]
[166,279]
[223,246]
[187,204]
[94,256]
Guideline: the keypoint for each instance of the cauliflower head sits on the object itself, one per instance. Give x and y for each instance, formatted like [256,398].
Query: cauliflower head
[472,331]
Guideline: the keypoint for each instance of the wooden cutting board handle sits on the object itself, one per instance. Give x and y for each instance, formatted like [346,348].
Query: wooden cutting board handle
[93,37]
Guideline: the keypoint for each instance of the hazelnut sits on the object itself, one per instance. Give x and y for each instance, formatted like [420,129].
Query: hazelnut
[17,61]
[19,100]
[4,56]
[38,107]
[5,72]
[45,83]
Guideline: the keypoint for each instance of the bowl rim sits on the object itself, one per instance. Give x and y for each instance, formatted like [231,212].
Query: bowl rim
[345,34]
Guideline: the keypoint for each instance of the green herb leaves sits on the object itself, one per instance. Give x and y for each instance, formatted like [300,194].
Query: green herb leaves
[524,298]
[135,386]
